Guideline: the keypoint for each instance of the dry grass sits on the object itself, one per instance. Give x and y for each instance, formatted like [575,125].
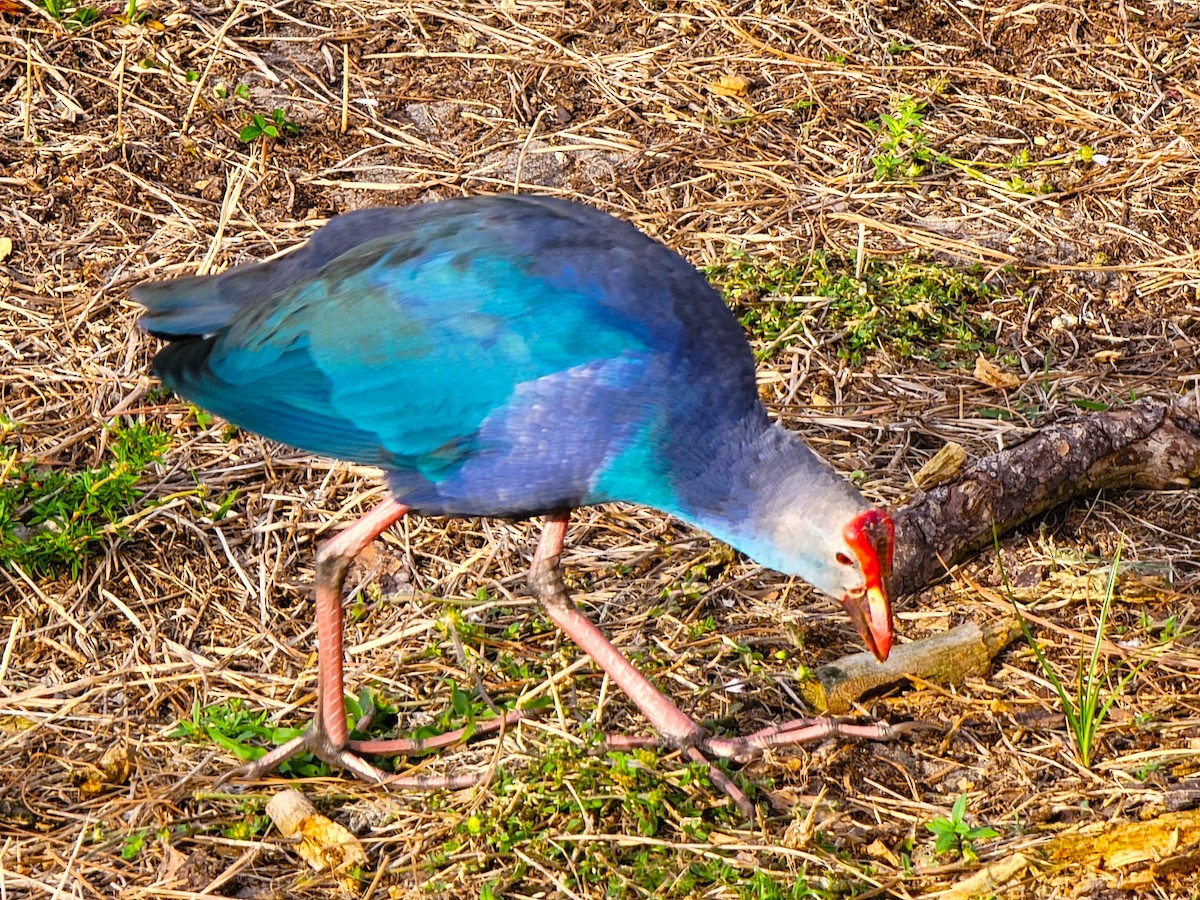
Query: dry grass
[119,166]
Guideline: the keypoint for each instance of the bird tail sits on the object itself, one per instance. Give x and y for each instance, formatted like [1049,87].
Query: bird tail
[185,307]
[183,363]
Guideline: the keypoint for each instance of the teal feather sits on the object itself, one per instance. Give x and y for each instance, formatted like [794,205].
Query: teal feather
[505,356]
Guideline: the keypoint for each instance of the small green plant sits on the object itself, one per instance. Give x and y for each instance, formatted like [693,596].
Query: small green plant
[52,520]
[242,732]
[1167,630]
[761,886]
[273,127]
[248,828]
[71,15]
[954,835]
[132,14]
[1084,707]
[903,149]
[915,309]
[221,89]
[132,846]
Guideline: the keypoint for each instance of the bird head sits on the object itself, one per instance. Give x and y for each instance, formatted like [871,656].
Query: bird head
[867,599]
[843,550]
[798,516]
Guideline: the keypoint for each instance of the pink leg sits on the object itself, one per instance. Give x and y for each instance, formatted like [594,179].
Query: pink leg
[328,738]
[546,582]
[675,729]
[333,561]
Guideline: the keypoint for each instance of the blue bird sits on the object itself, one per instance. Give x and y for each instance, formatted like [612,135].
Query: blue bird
[516,356]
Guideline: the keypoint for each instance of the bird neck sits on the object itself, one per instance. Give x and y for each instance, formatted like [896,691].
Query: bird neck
[778,502]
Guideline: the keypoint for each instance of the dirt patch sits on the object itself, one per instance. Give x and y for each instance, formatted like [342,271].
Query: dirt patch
[1050,148]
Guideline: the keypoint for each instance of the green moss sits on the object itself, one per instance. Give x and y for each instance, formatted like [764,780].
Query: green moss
[51,520]
[912,309]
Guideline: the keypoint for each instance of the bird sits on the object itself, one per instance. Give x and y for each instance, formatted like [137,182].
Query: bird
[517,356]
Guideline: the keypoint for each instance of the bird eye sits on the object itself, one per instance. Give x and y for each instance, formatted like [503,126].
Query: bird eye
[844,559]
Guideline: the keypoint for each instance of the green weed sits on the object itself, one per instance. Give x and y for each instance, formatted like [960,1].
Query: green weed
[247,829]
[915,310]
[903,152]
[1084,706]
[248,735]
[954,835]
[273,127]
[51,520]
[567,791]
[133,844]
[71,15]
[221,90]
[76,17]
[903,147]
[244,732]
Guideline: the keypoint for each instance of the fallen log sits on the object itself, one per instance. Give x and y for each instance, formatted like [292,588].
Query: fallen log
[1150,445]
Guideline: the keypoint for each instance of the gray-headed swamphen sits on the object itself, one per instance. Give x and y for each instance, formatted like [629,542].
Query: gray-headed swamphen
[516,356]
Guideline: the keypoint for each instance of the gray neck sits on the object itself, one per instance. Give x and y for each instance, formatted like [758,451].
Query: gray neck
[784,507]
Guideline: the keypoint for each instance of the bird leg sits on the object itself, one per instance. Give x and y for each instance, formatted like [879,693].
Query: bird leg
[328,737]
[675,729]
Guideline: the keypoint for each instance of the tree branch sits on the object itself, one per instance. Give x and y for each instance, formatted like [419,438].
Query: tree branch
[1148,445]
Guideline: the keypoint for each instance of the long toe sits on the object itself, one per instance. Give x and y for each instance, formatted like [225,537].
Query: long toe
[320,745]
[313,741]
[747,748]
[417,746]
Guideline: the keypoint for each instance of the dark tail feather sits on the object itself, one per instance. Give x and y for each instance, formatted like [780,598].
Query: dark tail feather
[185,306]
[183,361]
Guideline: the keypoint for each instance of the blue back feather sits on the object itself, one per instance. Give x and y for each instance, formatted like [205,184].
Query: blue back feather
[495,355]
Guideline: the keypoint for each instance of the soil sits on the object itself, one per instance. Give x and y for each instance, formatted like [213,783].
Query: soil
[1054,154]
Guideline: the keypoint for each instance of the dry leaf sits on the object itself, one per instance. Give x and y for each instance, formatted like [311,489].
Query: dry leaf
[877,849]
[1101,356]
[5,243]
[11,8]
[324,844]
[944,465]
[990,880]
[922,310]
[113,769]
[14,725]
[819,401]
[993,376]
[730,86]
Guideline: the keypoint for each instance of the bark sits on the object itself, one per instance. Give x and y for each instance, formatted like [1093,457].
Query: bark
[1148,445]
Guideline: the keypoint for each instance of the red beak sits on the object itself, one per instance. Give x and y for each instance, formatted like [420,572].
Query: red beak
[871,536]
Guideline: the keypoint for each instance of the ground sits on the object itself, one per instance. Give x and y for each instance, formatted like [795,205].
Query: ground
[1023,177]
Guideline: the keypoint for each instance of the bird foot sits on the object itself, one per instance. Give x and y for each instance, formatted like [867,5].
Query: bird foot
[313,741]
[747,748]
[750,747]
[318,743]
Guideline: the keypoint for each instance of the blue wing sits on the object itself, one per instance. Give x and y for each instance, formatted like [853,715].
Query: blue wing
[495,357]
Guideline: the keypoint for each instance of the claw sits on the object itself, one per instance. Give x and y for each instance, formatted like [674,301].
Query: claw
[318,743]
